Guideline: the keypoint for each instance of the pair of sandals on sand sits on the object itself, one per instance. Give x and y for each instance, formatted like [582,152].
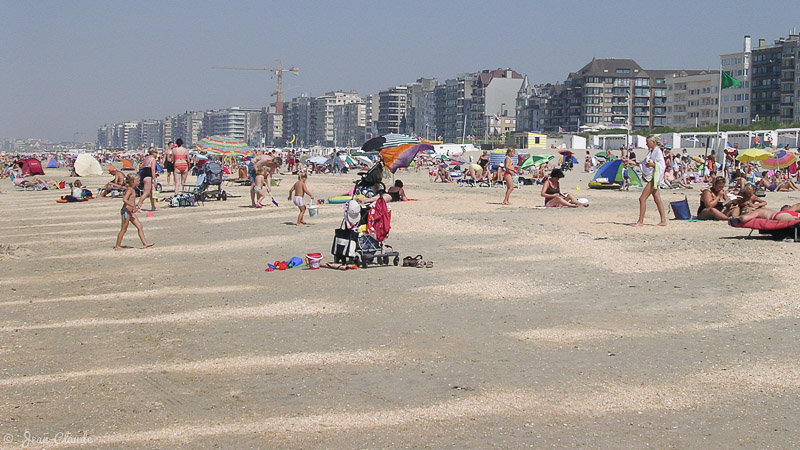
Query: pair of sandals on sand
[416,261]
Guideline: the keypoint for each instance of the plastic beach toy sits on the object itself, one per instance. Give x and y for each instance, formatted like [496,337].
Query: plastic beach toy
[313,260]
[294,262]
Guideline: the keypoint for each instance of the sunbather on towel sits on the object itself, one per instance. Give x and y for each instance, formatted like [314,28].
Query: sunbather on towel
[712,202]
[551,191]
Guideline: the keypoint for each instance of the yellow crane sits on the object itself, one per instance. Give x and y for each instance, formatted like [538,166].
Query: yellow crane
[276,71]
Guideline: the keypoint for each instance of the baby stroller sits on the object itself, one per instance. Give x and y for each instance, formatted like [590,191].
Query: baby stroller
[210,177]
[359,240]
[369,179]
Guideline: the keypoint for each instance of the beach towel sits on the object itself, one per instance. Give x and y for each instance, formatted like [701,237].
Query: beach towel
[378,220]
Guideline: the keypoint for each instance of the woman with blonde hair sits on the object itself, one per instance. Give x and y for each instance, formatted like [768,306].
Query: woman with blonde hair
[653,168]
[508,174]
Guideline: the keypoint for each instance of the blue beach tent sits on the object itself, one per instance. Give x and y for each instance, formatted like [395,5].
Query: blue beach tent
[609,176]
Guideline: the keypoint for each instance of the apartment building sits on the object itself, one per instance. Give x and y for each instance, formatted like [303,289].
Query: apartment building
[188,126]
[298,120]
[322,109]
[239,123]
[349,123]
[452,99]
[612,93]
[469,104]
[422,108]
[692,99]
[531,103]
[735,101]
[272,125]
[393,110]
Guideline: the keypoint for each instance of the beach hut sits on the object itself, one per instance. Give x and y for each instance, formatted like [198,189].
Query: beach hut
[31,166]
[528,140]
[85,164]
[609,176]
[52,163]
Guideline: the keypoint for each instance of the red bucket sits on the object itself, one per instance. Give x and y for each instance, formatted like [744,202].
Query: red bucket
[313,260]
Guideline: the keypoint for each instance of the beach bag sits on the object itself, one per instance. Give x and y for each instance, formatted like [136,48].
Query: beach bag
[345,243]
[681,209]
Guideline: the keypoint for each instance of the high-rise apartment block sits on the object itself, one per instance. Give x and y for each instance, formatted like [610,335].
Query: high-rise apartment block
[297,120]
[531,103]
[243,124]
[692,99]
[349,122]
[322,110]
[393,110]
[611,93]
[467,104]
[272,125]
[421,115]
[735,101]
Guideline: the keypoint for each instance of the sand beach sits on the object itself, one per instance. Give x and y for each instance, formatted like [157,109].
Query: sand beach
[534,328]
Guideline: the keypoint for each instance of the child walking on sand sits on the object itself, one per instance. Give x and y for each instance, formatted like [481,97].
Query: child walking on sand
[300,190]
[128,212]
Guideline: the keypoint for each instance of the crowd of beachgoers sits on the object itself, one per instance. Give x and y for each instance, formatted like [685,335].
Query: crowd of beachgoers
[731,189]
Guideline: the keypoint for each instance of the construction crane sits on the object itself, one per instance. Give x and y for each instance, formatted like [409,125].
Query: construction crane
[276,71]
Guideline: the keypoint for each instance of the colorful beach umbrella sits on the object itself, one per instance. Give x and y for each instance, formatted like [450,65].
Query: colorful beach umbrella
[222,145]
[535,160]
[401,156]
[753,154]
[388,141]
[781,160]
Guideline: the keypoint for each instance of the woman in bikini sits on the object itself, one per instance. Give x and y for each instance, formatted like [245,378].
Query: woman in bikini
[148,176]
[712,202]
[551,191]
[508,174]
[128,213]
[181,156]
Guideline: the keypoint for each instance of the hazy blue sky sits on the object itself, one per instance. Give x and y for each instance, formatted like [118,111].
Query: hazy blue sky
[67,67]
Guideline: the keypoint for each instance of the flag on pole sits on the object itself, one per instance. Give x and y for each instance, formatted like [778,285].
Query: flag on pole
[729,81]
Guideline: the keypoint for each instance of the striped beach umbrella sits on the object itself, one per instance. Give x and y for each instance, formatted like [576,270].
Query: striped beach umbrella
[222,145]
[781,160]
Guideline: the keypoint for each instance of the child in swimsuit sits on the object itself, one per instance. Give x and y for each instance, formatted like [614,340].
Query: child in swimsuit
[128,213]
[300,190]
[258,187]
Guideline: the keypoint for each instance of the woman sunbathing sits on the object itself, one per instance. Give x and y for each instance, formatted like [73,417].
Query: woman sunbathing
[712,202]
[551,191]
[774,184]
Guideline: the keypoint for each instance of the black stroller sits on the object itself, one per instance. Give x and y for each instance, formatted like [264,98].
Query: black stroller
[351,246]
[210,177]
[369,179]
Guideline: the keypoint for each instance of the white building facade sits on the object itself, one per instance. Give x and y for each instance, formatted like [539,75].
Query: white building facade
[692,100]
[735,101]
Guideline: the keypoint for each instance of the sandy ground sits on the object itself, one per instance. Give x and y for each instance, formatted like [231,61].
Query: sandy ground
[535,328]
